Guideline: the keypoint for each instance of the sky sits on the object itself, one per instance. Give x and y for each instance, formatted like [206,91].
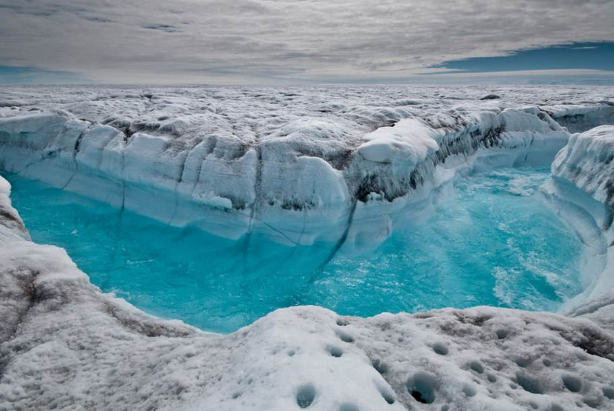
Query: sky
[305,41]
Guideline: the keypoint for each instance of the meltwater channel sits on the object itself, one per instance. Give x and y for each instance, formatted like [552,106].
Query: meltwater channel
[495,242]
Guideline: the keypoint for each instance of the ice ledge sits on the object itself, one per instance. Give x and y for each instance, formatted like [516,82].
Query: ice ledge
[305,178]
[65,345]
[582,188]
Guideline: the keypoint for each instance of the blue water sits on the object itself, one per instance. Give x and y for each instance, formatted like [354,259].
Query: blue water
[496,242]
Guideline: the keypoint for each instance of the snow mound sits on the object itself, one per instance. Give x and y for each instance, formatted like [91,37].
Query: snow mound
[409,142]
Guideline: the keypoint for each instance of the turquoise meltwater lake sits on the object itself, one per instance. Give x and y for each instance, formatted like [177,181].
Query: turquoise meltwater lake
[495,242]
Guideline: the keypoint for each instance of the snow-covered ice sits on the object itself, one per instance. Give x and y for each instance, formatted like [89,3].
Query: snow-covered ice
[233,160]
[346,160]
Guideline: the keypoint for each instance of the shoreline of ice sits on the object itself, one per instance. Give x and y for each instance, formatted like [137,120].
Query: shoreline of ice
[297,169]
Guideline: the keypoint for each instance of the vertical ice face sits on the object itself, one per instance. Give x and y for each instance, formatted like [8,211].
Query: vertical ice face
[587,162]
[583,189]
[582,118]
[297,164]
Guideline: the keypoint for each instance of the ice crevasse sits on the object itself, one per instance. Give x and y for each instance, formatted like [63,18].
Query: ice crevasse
[66,345]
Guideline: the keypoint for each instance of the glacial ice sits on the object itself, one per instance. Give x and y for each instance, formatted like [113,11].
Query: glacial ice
[582,186]
[249,156]
[335,159]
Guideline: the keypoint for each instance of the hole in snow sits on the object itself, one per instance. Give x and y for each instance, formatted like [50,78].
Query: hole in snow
[305,395]
[501,333]
[529,384]
[345,337]
[386,392]
[572,383]
[476,366]
[608,392]
[440,348]
[469,390]
[422,386]
[335,351]
[523,362]
[379,366]
[348,407]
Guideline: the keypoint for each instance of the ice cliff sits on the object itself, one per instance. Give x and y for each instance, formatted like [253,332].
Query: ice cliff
[286,163]
[583,189]
[65,345]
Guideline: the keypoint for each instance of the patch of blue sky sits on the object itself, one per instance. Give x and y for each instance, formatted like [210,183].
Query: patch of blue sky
[35,75]
[576,56]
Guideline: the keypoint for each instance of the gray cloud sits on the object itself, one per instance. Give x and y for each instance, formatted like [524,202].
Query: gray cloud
[311,40]
[162,27]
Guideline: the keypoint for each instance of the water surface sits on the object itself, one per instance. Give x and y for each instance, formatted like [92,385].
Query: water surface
[496,242]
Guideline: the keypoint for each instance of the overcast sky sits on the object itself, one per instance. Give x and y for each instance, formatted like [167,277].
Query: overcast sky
[287,41]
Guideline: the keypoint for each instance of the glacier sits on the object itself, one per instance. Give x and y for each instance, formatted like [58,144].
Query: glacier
[294,153]
[343,165]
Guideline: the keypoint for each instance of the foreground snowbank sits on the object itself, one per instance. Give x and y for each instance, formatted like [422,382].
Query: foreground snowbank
[64,345]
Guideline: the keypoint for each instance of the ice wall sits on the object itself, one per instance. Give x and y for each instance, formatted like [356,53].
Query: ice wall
[66,346]
[580,118]
[583,189]
[305,181]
